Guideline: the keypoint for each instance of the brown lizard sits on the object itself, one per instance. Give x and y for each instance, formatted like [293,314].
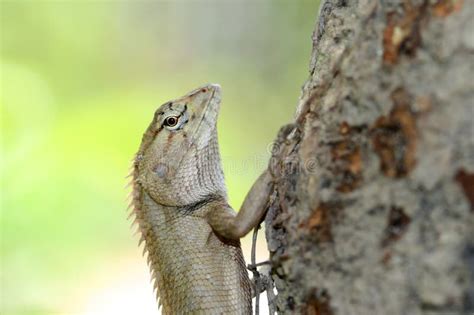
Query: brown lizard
[180,203]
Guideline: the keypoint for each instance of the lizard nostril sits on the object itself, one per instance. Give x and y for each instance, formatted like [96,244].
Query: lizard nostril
[203,90]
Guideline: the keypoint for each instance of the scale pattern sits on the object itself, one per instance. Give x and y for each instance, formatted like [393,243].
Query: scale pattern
[196,271]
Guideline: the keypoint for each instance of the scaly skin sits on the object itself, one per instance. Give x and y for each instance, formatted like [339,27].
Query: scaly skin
[190,232]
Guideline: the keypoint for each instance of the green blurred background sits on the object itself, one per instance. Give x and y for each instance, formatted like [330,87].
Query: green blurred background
[79,84]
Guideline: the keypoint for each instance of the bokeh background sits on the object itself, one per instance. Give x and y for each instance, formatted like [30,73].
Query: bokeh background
[80,81]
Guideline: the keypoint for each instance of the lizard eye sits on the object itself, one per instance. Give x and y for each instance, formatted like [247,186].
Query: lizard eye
[171,121]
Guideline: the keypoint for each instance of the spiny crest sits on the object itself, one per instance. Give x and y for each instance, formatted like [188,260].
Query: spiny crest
[135,214]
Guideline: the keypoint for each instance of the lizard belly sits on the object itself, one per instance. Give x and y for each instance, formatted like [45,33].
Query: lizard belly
[198,272]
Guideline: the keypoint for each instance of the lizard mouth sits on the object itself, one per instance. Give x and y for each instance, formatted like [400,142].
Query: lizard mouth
[211,108]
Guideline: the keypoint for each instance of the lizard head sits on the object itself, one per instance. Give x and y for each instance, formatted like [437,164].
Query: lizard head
[178,162]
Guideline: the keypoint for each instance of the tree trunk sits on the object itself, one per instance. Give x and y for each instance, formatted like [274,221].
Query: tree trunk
[375,178]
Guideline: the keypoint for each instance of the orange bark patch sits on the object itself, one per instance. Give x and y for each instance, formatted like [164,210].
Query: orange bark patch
[443,8]
[318,305]
[394,137]
[402,33]
[344,128]
[466,180]
[319,223]
[316,219]
[347,159]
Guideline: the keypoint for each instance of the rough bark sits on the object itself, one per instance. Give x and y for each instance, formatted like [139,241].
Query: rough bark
[374,211]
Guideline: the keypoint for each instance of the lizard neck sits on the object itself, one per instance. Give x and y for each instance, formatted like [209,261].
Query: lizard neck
[198,176]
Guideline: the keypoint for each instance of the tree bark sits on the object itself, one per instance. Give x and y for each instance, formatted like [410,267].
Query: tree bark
[374,207]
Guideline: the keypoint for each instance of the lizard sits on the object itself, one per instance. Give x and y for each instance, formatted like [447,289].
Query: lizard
[179,198]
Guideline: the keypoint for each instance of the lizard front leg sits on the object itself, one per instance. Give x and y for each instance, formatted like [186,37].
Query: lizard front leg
[225,222]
